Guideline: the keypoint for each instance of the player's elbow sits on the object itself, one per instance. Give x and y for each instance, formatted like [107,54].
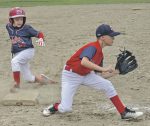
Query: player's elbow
[84,61]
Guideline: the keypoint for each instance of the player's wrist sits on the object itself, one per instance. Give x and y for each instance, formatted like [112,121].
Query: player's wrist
[41,35]
[102,69]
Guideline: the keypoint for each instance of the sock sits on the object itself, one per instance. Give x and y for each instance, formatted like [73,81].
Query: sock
[16,76]
[56,106]
[118,104]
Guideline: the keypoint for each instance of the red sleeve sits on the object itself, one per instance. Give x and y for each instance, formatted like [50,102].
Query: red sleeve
[41,35]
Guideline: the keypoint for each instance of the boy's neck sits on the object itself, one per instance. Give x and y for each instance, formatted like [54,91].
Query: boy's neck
[102,43]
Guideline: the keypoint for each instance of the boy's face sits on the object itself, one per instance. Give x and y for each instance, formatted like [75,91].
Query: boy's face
[108,40]
[18,21]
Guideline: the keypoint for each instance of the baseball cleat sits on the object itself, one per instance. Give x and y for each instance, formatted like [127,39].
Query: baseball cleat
[49,110]
[130,114]
[15,89]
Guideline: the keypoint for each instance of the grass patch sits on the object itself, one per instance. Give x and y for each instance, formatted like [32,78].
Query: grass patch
[12,3]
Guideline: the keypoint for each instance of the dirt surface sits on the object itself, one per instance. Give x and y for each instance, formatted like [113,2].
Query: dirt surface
[66,28]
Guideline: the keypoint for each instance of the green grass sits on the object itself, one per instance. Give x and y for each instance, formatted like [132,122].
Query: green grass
[12,3]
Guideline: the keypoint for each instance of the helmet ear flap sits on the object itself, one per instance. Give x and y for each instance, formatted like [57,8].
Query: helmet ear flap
[24,20]
[11,20]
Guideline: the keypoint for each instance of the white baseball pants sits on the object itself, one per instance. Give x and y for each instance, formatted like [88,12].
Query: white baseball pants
[20,62]
[71,81]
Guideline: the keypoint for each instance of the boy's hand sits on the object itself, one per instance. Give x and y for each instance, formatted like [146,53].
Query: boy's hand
[107,75]
[109,69]
[40,42]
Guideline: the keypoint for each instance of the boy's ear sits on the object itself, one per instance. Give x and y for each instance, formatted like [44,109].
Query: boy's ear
[102,37]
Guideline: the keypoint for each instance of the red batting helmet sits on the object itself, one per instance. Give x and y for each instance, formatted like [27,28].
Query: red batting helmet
[16,12]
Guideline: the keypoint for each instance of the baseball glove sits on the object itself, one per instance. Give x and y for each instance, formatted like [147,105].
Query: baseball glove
[126,62]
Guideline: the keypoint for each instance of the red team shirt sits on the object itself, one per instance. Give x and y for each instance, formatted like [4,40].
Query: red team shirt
[75,61]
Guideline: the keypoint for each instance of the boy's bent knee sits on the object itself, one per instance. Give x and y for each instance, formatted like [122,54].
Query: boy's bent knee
[110,90]
[30,79]
[15,65]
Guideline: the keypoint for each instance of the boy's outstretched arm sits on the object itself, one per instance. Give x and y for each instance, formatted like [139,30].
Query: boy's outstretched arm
[106,72]
[88,64]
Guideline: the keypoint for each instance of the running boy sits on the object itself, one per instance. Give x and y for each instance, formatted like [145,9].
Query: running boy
[80,69]
[22,48]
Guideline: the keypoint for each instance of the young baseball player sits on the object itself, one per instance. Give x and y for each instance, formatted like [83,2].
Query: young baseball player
[22,48]
[82,68]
